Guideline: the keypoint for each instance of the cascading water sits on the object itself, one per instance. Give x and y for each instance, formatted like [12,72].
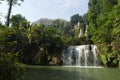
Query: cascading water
[84,55]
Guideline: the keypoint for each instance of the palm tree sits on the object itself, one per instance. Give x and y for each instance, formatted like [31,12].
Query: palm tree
[11,3]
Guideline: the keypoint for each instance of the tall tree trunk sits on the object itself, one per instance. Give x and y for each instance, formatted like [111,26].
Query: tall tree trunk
[9,12]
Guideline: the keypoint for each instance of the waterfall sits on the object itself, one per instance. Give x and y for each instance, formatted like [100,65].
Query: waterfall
[84,55]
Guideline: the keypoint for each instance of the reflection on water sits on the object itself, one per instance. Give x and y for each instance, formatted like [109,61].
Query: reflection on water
[71,73]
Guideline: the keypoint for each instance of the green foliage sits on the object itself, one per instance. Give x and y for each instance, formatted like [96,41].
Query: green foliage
[101,26]
[109,58]
[78,23]
[19,21]
[10,69]
[112,59]
[75,19]
[83,40]
[116,28]
[12,40]
[62,26]
[37,44]
[103,18]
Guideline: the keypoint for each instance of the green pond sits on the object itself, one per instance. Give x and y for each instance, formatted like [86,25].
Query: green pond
[71,73]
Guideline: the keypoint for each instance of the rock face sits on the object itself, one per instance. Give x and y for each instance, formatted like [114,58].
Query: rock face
[84,55]
[44,21]
[54,61]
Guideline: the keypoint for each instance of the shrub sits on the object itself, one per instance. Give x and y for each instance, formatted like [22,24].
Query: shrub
[10,69]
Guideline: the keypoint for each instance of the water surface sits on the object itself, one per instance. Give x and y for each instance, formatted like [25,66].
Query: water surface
[71,73]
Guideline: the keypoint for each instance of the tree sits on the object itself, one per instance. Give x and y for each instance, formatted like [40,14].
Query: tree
[19,21]
[11,3]
[100,18]
[10,69]
[63,26]
[78,24]
[103,19]
[43,42]
[116,29]
[75,19]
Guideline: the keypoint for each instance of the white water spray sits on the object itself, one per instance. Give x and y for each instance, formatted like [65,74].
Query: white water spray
[84,55]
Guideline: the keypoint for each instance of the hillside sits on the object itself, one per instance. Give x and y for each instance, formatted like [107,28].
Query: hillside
[44,21]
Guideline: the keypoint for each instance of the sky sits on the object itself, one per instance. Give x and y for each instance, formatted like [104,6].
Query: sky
[33,10]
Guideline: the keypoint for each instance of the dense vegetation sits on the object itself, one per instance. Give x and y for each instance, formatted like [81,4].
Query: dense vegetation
[104,25]
[10,69]
[37,44]
[42,44]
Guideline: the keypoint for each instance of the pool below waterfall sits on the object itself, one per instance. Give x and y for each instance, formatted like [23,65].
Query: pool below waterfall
[71,73]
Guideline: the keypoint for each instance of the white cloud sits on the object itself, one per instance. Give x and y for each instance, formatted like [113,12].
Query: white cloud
[34,9]
[71,3]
